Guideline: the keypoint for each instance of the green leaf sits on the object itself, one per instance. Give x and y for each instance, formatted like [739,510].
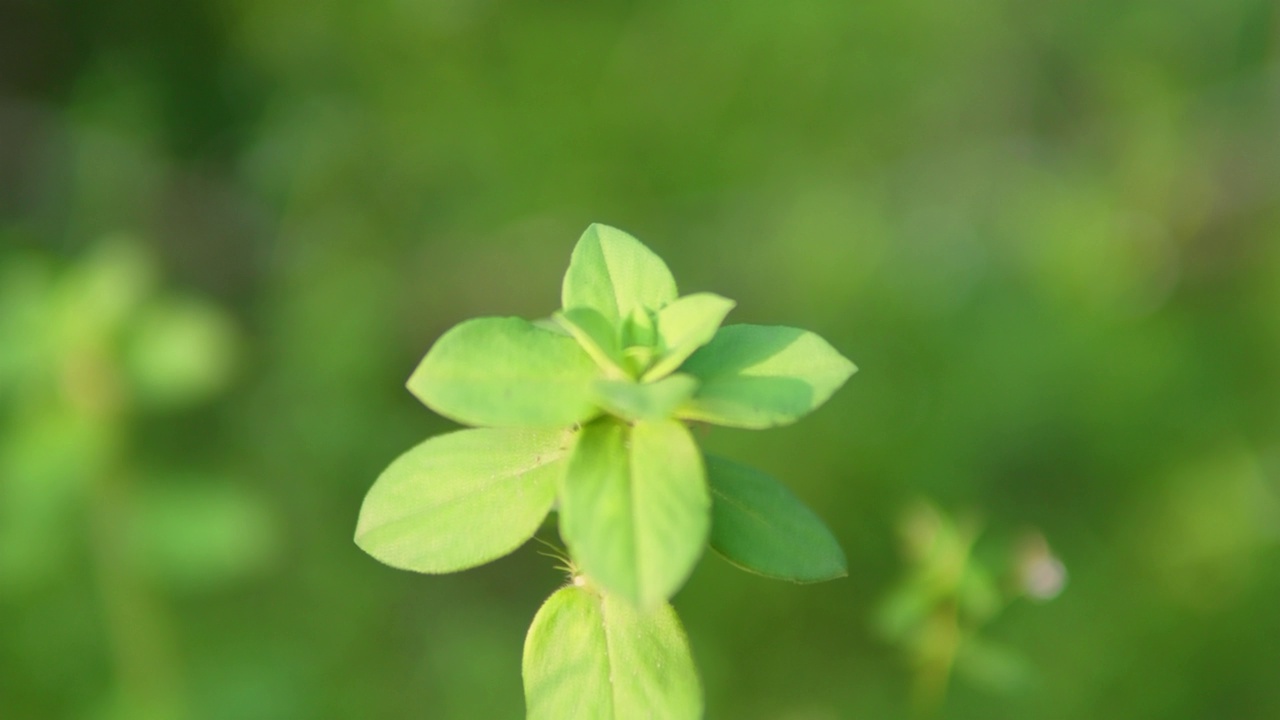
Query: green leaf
[462,499]
[686,325]
[592,655]
[634,507]
[596,336]
[613,273]
[645,401]
[506,372]
[760,526]
[758,376]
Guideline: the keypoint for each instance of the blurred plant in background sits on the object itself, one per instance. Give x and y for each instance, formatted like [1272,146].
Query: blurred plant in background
[935,616]
[86,353]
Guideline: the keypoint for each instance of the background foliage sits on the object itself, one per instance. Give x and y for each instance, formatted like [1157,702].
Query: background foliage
[1046,233]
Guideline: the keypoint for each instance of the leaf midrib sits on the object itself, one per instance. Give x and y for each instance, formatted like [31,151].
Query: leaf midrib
[608,651]
[608,273]
[745,509]
[633,516]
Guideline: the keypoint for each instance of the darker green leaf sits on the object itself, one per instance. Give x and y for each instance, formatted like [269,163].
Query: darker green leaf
[759,525]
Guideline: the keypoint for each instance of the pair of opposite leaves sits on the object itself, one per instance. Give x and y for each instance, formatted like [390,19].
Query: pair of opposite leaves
[588,409]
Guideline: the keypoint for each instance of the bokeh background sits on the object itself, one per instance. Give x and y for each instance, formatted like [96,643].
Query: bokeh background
[1048,233]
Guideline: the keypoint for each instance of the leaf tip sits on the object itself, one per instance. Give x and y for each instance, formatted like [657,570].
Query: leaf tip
[850,368]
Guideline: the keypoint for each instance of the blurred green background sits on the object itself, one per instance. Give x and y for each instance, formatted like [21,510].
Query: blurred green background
[1048,233]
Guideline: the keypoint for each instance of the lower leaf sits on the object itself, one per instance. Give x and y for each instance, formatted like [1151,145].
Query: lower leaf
[592,655]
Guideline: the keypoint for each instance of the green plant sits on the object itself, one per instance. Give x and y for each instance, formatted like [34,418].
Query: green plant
[586,413]
[950,593]
[91,351]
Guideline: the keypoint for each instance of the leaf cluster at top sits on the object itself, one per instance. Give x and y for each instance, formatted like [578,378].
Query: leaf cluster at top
[641,353]
[587,409]
[587,412]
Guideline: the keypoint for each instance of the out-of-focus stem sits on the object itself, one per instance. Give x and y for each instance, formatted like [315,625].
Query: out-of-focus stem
[934,671]
[147,671]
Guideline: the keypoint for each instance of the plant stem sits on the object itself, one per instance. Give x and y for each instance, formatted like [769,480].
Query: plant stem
[147,672]
[942,644]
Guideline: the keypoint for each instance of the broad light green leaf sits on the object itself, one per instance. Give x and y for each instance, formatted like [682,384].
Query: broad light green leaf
[645,401]
[596,336]
[506,372]
[760,526]
[634,507]
[684,326]
[613,273]
[759,376]
[462,499]
[592,655]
